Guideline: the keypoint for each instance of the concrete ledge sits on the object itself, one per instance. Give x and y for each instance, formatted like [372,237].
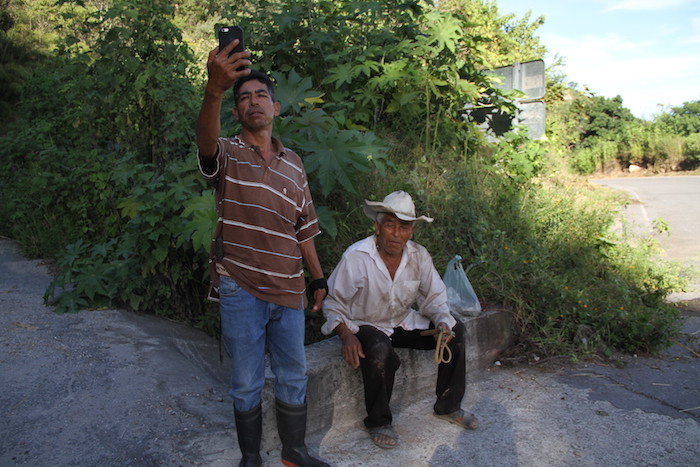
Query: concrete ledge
[335,394]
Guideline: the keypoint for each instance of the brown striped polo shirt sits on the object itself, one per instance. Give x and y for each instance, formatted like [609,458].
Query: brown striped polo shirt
[264,212]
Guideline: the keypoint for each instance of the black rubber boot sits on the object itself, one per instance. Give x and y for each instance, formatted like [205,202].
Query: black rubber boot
[249,431]
[291,426]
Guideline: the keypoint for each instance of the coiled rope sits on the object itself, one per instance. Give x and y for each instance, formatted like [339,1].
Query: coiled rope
[443,354]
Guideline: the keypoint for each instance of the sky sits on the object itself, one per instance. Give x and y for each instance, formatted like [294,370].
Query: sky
[646,51]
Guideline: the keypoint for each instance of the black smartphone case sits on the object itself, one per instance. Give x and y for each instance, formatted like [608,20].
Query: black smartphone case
[227,34]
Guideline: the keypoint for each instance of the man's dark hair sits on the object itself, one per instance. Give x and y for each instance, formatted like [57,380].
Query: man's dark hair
[257,76]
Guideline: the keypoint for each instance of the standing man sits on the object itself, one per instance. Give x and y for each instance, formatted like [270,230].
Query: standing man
[370,306]
[266,225]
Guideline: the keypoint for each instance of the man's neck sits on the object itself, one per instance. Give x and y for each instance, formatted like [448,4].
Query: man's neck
[392,262]
[262,140]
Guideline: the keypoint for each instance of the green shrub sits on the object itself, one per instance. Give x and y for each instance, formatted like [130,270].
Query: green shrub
[584,161]
[667,151]
[692,146]
[158,261]
[55,197]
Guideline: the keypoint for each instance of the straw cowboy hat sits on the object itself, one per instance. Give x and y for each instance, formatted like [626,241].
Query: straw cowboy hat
[398,203]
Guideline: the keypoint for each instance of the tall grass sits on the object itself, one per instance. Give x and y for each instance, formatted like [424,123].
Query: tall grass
[645,146]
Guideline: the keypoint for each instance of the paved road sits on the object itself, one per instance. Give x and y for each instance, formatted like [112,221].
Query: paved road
[676,200]
[112,389]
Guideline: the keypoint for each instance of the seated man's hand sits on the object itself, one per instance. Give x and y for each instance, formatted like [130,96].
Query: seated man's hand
[352,349]
[446,332]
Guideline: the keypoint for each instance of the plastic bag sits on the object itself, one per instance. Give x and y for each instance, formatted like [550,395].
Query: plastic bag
[461,297]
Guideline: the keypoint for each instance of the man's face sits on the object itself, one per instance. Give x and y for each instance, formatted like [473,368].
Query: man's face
[393,234]
[255,108]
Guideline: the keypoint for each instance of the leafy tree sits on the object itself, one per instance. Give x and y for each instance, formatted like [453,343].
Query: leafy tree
[141,68]
[24,41]
[386,66]
[692,143]
[502,39]
[683,120]
[103,122]
[606,119]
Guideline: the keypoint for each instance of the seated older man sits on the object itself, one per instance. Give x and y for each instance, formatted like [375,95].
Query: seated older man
[370,306]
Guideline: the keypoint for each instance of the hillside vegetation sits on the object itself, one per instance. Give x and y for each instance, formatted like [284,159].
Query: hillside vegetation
[99,101]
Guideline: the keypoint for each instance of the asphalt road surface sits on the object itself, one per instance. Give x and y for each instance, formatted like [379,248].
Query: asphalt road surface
[676,201]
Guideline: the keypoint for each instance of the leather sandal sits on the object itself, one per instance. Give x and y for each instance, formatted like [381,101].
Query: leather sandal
[384,436]
[459,418]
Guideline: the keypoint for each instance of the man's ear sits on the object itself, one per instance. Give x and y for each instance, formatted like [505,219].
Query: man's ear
[234,111]
[277,108]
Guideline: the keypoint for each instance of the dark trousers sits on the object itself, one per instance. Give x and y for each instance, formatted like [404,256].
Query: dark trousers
[381,362]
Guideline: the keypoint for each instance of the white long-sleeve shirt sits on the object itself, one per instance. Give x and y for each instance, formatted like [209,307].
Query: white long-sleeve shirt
[361,291]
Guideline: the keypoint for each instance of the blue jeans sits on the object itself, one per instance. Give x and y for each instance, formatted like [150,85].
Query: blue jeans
[248,325]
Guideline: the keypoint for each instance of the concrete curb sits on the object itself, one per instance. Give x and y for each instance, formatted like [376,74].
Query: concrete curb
[335,393]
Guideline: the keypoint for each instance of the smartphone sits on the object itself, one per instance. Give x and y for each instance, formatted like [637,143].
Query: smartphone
[227,34]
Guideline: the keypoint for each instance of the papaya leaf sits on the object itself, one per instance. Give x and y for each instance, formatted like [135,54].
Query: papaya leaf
[326,221]
[292,91]
[341,74]
[335,161]
[200,219]
[445,31]
[366,67]
[393,72]
[91,284]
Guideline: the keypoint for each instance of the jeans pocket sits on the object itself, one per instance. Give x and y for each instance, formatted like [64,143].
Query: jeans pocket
[228,287]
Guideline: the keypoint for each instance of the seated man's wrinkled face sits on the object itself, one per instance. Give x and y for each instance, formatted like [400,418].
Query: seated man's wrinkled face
[392,234]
